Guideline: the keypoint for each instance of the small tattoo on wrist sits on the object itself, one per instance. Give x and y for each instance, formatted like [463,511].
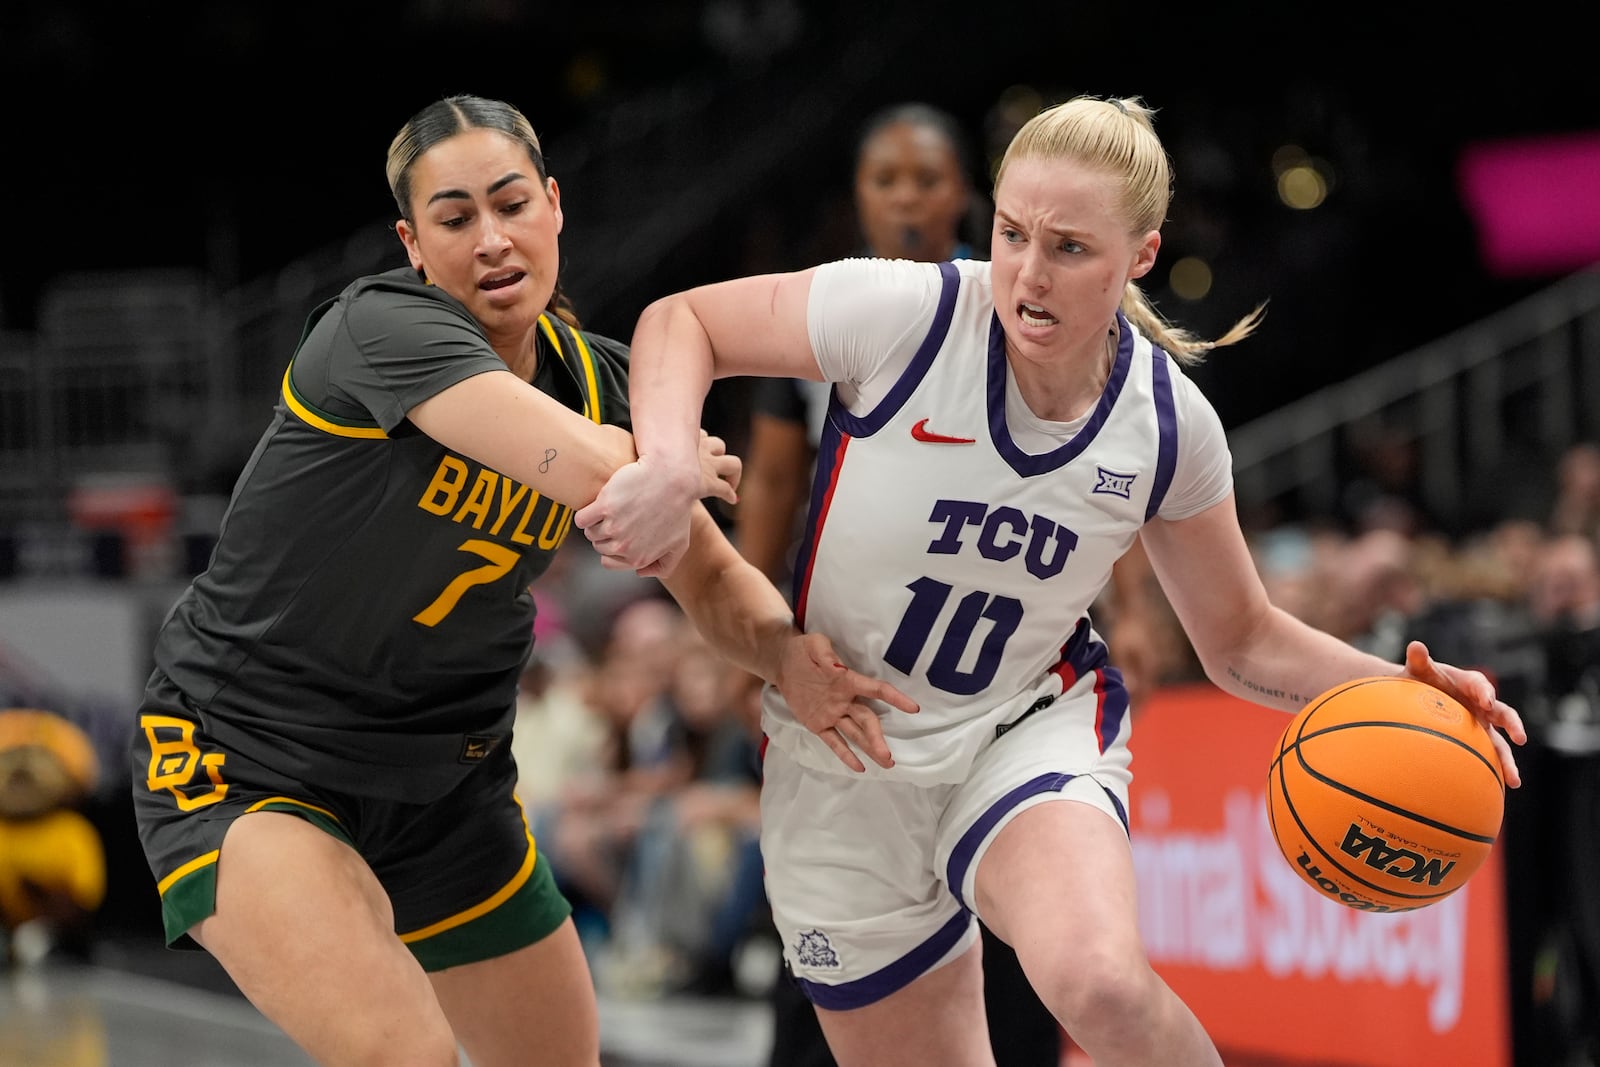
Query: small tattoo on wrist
[1275,694]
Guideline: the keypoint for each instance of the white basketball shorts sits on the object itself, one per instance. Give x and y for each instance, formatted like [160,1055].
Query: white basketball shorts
[871,880]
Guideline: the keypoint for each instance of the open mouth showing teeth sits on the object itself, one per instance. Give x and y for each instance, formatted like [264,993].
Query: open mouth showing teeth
[1035,316]
[500,281]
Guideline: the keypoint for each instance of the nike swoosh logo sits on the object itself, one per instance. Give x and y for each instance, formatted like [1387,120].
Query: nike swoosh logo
[921,433]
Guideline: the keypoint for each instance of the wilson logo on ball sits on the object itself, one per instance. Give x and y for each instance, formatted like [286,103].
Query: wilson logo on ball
[1313,874]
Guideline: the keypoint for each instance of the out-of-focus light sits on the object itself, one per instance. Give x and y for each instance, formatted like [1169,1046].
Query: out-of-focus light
[1302,188]
[1190,278]
[1304,181]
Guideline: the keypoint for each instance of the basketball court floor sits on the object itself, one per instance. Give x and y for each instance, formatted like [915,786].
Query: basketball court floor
[140,1007]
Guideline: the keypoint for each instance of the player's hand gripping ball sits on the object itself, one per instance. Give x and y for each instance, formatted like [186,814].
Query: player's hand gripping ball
[1385,794]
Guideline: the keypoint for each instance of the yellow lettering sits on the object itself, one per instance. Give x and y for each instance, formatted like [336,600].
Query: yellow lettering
[508,501]
[558,519]
[521,535]
[500,561]
[478,499]
[441,494]
[174,761]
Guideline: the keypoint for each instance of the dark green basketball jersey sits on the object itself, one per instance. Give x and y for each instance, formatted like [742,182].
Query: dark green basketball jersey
[366,613]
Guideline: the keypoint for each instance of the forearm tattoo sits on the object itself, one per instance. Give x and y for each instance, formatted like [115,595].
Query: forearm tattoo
[549,457]
[1257,687]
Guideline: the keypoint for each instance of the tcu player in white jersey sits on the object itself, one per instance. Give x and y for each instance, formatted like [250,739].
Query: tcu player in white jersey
[998,435]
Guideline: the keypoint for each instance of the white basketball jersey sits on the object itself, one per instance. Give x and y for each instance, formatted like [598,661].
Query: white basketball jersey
[940,556]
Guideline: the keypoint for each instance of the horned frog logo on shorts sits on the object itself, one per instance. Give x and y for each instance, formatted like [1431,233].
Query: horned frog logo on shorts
[813,950]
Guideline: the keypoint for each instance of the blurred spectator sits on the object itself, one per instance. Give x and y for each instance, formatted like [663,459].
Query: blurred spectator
[1385,491]
[588,829]
[52,861]
[1378,593]
[692,887]
[556,738]
[750,33]
[1577,505]
[1299,565]
[1564,601]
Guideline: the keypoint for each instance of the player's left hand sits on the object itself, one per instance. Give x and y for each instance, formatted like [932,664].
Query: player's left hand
[830,700]
[1476,693]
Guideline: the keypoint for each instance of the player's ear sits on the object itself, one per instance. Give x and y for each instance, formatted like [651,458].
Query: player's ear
[553,191]
[1144,256]
[408,237]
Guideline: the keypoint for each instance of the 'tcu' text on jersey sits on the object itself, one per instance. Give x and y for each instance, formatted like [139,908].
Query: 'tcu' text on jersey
[1002,533]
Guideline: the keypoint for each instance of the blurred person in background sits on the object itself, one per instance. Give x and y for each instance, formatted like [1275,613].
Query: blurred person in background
[691,888]
[914,199]
[589,825]
[556,737]
[1576,509]
[998,436]
[333,696]
[52,860]
[1378,594]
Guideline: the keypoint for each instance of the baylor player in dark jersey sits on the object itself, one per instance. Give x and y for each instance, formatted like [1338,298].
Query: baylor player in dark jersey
[365,574]
[322,776]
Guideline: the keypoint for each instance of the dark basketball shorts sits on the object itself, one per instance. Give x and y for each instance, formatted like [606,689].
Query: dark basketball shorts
[463,874]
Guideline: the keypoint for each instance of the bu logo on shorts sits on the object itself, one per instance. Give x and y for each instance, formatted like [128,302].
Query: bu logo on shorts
[813,950]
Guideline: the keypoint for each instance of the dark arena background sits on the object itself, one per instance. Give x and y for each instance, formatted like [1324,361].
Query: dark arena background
[1413,190]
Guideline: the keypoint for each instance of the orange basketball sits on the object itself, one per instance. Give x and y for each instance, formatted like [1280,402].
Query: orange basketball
[1385,794]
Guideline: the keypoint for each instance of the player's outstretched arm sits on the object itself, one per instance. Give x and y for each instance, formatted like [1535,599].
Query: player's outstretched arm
[744,617]
[1261,653]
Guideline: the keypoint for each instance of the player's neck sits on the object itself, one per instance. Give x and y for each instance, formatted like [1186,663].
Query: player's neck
[1065,388]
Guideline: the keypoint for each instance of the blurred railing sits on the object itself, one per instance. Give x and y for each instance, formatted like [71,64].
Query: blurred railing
[1476,407]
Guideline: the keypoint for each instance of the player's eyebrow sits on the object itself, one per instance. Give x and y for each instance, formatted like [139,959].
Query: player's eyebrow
[462,194]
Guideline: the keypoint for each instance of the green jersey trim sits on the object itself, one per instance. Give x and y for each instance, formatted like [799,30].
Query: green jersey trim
[591,401]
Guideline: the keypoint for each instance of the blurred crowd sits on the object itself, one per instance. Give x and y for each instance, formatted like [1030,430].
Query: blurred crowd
[638,750]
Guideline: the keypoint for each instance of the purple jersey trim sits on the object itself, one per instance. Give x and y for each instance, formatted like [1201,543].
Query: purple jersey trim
[1029,465]
[900,392]
[961,857]
[899,974]
[1080,656]
[1167,421]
